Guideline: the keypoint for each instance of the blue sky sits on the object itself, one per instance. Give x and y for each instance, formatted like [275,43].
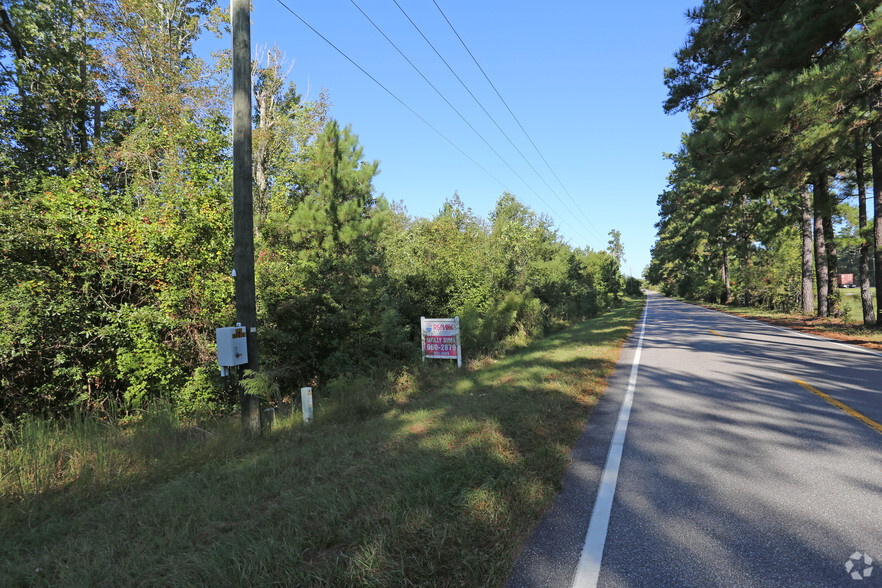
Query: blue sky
[583,78]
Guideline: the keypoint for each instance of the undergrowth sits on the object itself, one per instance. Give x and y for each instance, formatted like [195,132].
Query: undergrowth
[433,476]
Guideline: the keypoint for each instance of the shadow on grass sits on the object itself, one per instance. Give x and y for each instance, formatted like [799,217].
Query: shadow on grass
[440,487]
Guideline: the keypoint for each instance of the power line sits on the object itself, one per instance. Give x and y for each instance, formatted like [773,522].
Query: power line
[526,134]
[481,105]
[437,91]
[567,208]
[412,111]
[390,92]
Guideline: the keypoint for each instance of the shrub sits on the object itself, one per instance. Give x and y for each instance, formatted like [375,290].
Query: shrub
[203,393]
[633,287]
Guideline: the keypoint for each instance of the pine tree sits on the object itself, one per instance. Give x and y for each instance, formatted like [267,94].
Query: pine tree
[777,93]
[615,247]
[863,264]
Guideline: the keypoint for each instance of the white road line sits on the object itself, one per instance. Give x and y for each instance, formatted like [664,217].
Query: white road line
[588,569]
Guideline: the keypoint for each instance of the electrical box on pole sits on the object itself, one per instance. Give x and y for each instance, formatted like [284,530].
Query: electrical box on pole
[232,347]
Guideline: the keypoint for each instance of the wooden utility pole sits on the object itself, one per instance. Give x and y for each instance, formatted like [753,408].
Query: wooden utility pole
[243,216]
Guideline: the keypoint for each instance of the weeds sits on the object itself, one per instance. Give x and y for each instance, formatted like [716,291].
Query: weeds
[435,476]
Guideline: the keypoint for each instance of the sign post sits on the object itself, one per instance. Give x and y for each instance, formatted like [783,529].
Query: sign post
[441,339]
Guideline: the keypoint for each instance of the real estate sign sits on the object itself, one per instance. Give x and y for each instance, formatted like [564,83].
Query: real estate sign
[441,338]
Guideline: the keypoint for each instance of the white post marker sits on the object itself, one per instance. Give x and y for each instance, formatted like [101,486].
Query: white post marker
[588,570]
[306,401]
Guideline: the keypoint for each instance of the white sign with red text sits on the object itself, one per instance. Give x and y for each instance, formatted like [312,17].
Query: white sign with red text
[441,338]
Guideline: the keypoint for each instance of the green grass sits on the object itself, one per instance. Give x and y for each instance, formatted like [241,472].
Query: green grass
[437,481]
[851,304]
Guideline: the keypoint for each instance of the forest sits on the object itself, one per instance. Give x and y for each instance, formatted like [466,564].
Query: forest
[116,226]
[767,200]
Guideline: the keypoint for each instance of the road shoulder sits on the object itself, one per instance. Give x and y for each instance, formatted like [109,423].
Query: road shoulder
[551,555]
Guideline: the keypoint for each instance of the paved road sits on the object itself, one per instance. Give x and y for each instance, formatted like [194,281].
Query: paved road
[734,469]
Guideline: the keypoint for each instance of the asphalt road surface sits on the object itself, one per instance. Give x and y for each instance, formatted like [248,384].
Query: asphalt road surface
[744,455]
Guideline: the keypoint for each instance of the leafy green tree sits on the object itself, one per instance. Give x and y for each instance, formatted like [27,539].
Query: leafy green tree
[506,276]
[115,225]
[445,263]
[610,276]
[49,86]
[520,239]
[122,276]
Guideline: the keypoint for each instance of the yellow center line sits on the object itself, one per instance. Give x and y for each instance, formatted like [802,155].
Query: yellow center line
[715,333]
[844,407]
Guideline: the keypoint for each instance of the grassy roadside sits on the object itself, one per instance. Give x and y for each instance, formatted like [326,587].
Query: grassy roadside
[840,329]
[438,482]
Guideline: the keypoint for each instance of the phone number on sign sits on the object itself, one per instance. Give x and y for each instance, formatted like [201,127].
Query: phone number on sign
[440,347]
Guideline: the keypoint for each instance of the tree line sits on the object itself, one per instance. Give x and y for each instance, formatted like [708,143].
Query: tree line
[767,199]
[116,225]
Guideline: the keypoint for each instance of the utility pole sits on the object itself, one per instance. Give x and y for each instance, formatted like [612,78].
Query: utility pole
[243,215]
